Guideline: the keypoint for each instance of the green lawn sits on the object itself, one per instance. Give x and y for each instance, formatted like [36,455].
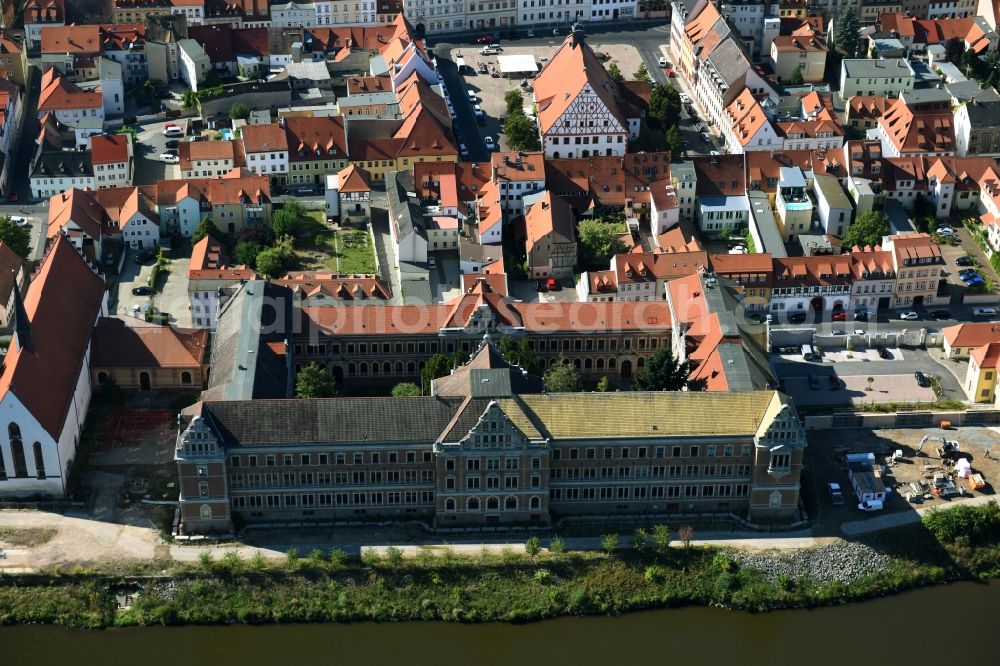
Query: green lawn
[345,251]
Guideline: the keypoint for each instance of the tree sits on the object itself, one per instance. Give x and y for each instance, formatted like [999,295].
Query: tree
[294,207]
[16,238]
[239,111]
[436,366]
[206,228]
[673,140]
[685,534]
[661,538]
[609,542]
[604,385]
[953,50]
[868,229]
[514,100]
[247,251]
[284,222]
[664,107]
[796,78]
[663,372]
[615,73]
[270,262]
[597,241]
[533,547]
[189,99]
[640,539]
[642,74]
[149,94]
[516,352]
[521,131]
[847,35]
[405,390]
[313,381]
[131,131]
[563,377]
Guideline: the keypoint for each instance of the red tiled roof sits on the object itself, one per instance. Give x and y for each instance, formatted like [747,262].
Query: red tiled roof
[62,302]
[972,334]
[116,345]
[109,148]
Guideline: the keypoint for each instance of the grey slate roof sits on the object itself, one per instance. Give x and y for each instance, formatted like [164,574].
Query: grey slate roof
[332,420]
[404,211]
[243,364]
[63,164]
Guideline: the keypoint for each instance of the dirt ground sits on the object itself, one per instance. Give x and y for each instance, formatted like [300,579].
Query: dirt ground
[981,446]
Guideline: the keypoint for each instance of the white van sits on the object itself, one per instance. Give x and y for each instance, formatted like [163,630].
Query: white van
[984,312]
[807,352]
[172,130]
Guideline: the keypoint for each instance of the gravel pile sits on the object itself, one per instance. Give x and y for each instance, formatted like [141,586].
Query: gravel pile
[842,562]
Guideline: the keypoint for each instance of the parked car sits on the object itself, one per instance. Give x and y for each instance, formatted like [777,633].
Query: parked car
[838,331]
[432,262]
[974,281]
[884,353]
[463,149]
[142,291]
[662,62]
[964,260]
[530,33]
[836,496]
[967,271]
[172,143]
[170,158]
[472,96]
[485,39]
[861,315]
[836,383]
[142,256]
[840,315]
[946,230]
[796,318]
[12,197]
[870,505]
[478,111]
[939,314]
[172,130]
[488,51]
[540,286]
[552,285]
[20,220]
[921,378]
[984,312]
[814,383]
[109,258]
[670,72]
[909,316]
[684,98]
[490,145]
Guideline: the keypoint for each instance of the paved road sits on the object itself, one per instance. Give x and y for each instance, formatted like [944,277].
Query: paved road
[898,519]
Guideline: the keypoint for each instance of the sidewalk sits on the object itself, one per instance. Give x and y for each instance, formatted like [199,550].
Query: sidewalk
[890,520]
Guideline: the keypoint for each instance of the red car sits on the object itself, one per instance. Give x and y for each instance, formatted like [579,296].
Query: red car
[839,316]
[552,285]
[485,39]
[13,197]
[670,71]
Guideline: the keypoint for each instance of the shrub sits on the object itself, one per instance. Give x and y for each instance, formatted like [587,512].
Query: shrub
[533,547]
[205,560]
[292,558]
[557,546]
[965,525]
[394,557]
[609,543]
[640,539]
[370,557]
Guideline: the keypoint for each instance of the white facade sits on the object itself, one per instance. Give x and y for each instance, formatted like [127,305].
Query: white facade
[612,10]
[531,13]
[183,217]
[866,293]
[580,132]
[114,174]
[268,163]
[491,15]
[43,187]
[113,94]
[194,62]
[435,16]
[293,15]
[512,193]
[204,308]
[351,12]
[72,116]
[140,232]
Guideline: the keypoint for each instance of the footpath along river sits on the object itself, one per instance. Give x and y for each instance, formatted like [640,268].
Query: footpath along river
[954,622]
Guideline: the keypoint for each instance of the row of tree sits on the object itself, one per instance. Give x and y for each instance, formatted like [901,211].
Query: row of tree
[521,131]
[662,372]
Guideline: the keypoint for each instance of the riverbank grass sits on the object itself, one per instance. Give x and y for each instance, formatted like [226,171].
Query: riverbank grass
[956,544]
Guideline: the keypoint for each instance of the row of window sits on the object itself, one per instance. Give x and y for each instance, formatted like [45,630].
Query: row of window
[643,472]
[650,492]
[308,459]
[290,479]
[625,452]
[357,499]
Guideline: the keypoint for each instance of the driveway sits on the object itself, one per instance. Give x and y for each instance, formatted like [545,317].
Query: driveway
[132,275]
[150,143]
[173,295]
[446,278]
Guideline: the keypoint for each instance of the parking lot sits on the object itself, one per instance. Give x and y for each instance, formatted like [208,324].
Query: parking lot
[825,458]
[171,298]
[892,378]
[150,144]
[951,271]
[490,91]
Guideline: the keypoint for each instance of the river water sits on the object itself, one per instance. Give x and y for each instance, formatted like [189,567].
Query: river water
[954,622]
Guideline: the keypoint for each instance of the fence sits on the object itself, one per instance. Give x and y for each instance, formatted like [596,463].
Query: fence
[902,419]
